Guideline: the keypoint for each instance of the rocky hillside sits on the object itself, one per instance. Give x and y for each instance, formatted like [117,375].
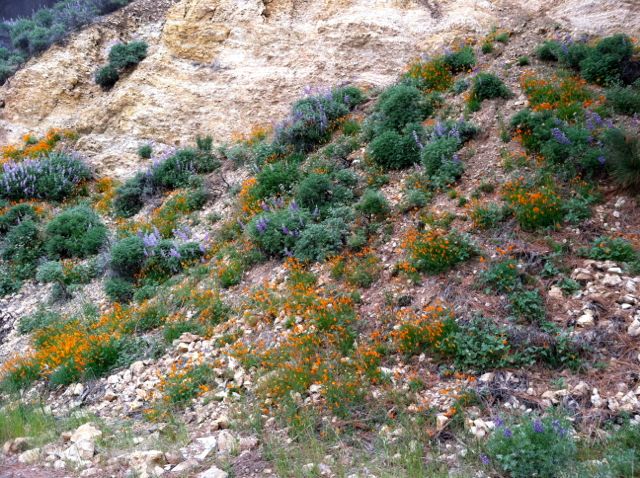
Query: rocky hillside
[221,67]
[351,239]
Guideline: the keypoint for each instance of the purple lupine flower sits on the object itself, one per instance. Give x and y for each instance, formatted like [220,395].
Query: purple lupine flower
[499,422]
[174,253]
[538,427]
[507,433]
[485,459]
[559,136]
[265,207]
[558,428]
[294,206]
[456,158]
[285,230]
[417,140]
[602,160]
[261,225]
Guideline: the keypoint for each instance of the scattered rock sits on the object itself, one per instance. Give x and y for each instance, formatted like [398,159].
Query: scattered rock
[213,472]
[29,457]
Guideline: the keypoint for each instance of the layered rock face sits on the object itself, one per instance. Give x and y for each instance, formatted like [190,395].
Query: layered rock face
[221,66]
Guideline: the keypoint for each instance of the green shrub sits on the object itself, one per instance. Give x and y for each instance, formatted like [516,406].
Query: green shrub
[314,191]
[622,451]
[276,232]
[76,232]
[373,204]
[415,199]
[487,47]
[625,101]
[319,241]
[145,151]
[604,63]
[503,276]
[436,251]
[623,155]
[528,304]
[440,160]
[487,216]
[548,51]
[119,290]
[176,171]
[9,283]
[22,247]
[462,60]
[612,249]
[392,150]
[502,37]
[40,319]
[535,447]
[128,199]
[53,177]
[15,215]
[107,76]
[276,178]
[127,55]
[482,345]
[524,61]
[401,105]
[487,86]
[313,118]
[128,256]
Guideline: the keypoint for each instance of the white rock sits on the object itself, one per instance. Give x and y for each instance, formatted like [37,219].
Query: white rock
[185,466]
[86,432]
[634,328]
[29,457]
[611,280]
[226,442]
[555,292]
[585,320]
[213,472]
[78,389]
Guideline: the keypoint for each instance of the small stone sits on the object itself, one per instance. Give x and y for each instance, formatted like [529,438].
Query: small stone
[634,328]
[78,389]
[213,472]
[29,457]
[137,367]
[585,320]
[85,432]
[59,465]
[226,442]
[185,466]
[611,280]
[248,443]
[582,389]
[555,292]
[441,421]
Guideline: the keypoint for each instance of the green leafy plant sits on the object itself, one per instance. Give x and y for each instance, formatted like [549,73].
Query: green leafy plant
[623,157]
[534,447]
[392,150]
[76,232]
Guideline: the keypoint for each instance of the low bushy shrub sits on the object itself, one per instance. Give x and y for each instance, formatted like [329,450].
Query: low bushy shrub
[314,191]
[128,256]
[15,215]
[604,63]
[400,105]
[528,304]
[502,276]
[107,76]
[127,55]
[461,60]
[145,151]
[54,177]
[488,86]
[534,447]
[623,158]
[276,232]
[612,249]
[313,118]
[22,247]
[119,290]
[76,232]
[440,160]
[534,207]
[373,204]
[625,101]
[276,178]
[435,250]
[392,150]
[320,241]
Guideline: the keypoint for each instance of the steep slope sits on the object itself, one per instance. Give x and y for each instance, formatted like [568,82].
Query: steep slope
[219,67]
